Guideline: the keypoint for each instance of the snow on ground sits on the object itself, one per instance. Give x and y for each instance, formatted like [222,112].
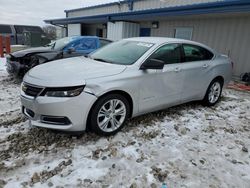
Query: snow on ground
[2,64]
[185,146]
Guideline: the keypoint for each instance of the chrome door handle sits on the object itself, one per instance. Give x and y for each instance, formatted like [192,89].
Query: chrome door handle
[205,66]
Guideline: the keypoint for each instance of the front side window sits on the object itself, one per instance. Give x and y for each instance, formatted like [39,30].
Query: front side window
[83,44]
[169,54]
[196,53]
[61,43]
[123,52]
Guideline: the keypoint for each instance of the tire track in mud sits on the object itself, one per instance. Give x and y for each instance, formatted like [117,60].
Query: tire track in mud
[7,80]
[10,118]
[40,140]
[9,100]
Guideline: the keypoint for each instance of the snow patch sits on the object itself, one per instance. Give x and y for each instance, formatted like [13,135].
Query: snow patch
[2,64]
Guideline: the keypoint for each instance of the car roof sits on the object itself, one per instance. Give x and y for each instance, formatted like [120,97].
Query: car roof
[155,40]
[162,40]
[79,37]
[86,36]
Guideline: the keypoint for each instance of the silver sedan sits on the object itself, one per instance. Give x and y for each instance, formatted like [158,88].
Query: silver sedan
[124,79]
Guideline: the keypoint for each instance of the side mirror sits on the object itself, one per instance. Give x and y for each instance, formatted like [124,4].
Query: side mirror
[71,50]
[152,64]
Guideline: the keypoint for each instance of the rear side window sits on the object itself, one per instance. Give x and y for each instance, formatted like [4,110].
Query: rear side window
[5,29]
[196,53]
[169,54]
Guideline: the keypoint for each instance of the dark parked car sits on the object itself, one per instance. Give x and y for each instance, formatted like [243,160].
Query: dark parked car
[18,63]
[16,32]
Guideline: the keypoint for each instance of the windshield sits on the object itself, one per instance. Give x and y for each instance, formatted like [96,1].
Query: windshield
[123,52]
[61,43]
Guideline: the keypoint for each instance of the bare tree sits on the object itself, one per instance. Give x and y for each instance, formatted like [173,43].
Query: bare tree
[50,31]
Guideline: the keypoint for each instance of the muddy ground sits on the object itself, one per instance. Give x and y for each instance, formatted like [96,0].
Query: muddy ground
[185,146]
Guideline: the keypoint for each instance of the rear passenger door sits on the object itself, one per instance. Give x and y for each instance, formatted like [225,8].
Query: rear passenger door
[197,69]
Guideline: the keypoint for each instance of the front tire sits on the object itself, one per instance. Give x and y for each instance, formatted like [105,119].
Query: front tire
[213,93]
[109,114]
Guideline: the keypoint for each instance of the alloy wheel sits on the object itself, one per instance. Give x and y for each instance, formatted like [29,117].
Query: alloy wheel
[214,92]
[111,115]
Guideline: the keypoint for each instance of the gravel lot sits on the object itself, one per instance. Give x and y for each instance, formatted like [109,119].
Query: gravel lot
[185,146]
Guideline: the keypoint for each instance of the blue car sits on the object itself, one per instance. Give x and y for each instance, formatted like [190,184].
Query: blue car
[18,63]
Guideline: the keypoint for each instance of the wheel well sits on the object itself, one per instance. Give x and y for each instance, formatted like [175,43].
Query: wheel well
[220,78]
[123,93]
[126,95]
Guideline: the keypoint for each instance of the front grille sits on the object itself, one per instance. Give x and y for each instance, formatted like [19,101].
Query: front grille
[31,90]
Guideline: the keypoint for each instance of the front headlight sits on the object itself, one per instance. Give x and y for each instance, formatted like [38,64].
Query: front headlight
[63,92]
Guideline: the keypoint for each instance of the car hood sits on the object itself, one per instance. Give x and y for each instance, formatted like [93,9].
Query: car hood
[70,72]
[23,53]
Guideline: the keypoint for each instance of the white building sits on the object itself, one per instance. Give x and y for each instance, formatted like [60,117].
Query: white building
[60,32]
[221,24]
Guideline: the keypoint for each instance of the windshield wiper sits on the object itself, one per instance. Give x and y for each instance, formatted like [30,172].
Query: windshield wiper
[102,60]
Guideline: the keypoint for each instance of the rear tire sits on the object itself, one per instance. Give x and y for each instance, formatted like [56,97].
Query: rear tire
[109,114]
[213,93]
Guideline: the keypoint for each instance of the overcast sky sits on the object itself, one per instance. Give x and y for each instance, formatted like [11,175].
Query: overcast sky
[33,12]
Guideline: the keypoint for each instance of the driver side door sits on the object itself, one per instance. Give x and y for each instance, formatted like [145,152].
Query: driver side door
[163,89]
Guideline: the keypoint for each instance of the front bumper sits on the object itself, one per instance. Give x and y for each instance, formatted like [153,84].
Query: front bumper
[13,67]
[75,109]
